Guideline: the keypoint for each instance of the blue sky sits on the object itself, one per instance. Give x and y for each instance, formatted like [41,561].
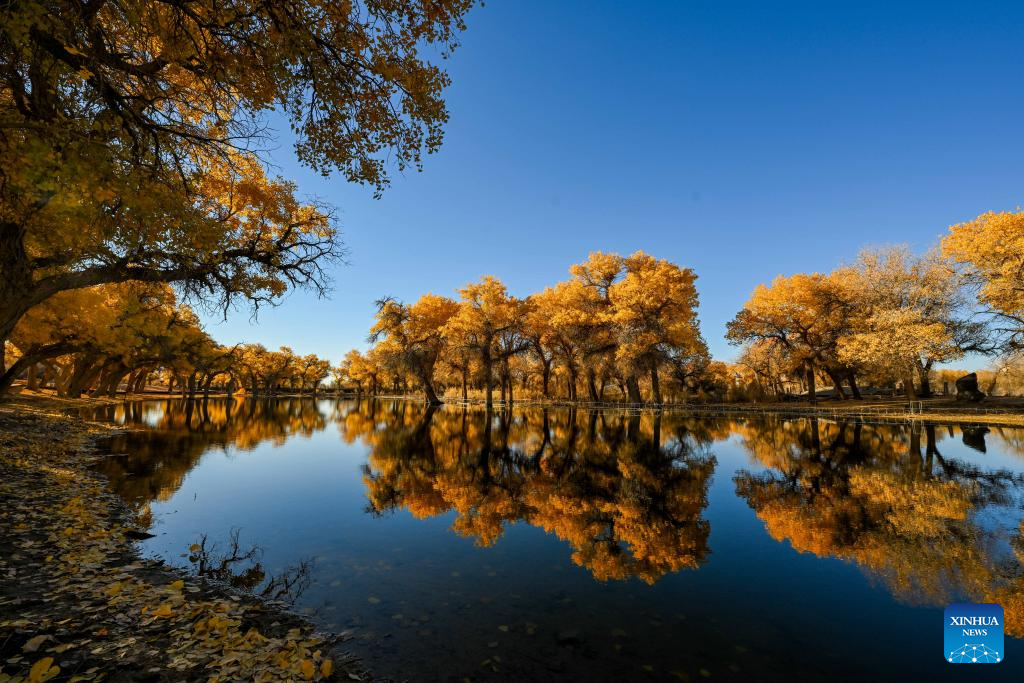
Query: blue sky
[741,139]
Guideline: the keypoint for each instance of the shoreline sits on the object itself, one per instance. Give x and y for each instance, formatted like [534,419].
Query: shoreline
[1000,411]
[934,411]
[79,602]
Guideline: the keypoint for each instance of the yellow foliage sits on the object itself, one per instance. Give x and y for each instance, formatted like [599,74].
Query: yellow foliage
[992,248]
[43,670]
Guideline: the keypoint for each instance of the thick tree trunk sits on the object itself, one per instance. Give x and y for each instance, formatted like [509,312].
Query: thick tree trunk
[591,385]
[15,283]
[465,388]
[133,378]
[854,389]
[118,377]
[49,375]
[546,378]
[140,382]
[908,386]
[812,393]
[85,373]
[655,387]
[837,383]
[101,383]
[102,387]
[924,373]
[633,389]
[12,372]
[32,378]
[428,390]
[28,358]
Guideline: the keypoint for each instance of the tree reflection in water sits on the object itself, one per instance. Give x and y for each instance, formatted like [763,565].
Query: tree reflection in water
[150,466]
[623,491]
[628,492]
[885,498]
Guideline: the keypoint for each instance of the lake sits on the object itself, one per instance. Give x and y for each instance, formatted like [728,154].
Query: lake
[565,544]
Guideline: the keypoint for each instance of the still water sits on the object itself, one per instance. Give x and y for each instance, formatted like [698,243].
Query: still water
[567,544]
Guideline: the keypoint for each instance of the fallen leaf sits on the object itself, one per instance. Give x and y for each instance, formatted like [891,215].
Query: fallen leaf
[43,670]
[33,644]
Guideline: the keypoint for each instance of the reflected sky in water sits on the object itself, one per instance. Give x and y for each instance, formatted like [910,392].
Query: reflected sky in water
[567,544]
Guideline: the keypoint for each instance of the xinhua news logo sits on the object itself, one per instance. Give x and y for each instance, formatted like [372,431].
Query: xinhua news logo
[973,633]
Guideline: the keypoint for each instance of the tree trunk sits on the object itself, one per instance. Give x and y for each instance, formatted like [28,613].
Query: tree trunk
[837,383]
[84,375]
[133,378]
[15,282]
[465,378]
[487,363]
[633,387]
[924,372]
[591,385]
[655,387]
[854,389]
[101,383]
[140,382]
[546,378]
[812,393]
[32,378]
[49,374]
[11,372]
[110,379]
[908,386]
[118,376]
[428,390]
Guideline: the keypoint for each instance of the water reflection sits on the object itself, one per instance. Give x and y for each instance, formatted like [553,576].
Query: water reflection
[885,498]
[625,492]
[152,464]
[629,493]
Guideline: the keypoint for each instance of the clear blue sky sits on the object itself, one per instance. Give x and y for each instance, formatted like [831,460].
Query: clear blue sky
[741,139]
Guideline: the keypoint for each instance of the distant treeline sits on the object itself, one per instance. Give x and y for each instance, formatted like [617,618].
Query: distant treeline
[625,329]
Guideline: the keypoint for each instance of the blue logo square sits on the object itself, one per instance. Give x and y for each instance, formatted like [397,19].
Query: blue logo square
[973,633]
